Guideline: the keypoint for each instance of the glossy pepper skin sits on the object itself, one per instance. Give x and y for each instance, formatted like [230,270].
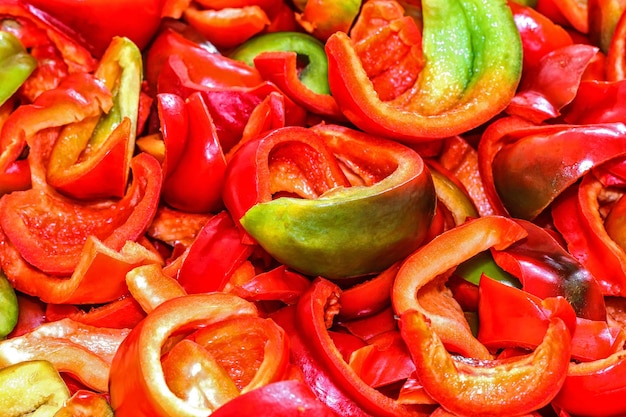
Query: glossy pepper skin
[480,77]
[395,202]
[16,65]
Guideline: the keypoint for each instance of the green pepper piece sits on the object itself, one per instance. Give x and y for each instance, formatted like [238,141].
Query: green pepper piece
[16,65]
[473,268]
[32,388]
[309,49]
[8,307]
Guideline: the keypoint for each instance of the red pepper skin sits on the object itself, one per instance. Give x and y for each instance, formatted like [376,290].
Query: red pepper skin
[488,388]
[545,269]
[195,183]
[124,313]
[46,244]
[278,399]
[16,177]
[213,256]
[280,68]
[205,68]
[313,309]
[98,21]
[136,371]
[569,13]
[595,388]
[616,54]
[417,274]
[174,126]
[597,102]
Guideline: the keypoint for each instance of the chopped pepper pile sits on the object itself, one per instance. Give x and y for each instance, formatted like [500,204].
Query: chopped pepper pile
[317,208]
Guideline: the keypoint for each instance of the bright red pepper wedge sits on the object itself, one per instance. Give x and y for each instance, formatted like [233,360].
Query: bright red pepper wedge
[616,54]
[597,102]
[124,313]
[468,387]
[136,371]
[595,388]
[435,106]
[418,274]
[52,221]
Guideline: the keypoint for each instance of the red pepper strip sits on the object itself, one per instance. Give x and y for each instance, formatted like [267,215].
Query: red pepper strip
[597,102]
[546,269]
[510,317]
[616,54]
[210,260]
[367,328]
[552,84]
[315,311]
[205,68]
[194,182]
[368,297]
[384,361]
[150,287]
[84,351]
[228,27]
[576,216]
[16,177]
[442,412]
[452,194]
[79,96]
[278,399]
[38,223]
[595,388]
[450,249]
[124,313]
[136,371]
[561,155]
[175,227]
[277,284]
[174,128]
[539,35]
[253,350]
[487,388]
[314,372]
[570,13]
[280,68]
[31,314]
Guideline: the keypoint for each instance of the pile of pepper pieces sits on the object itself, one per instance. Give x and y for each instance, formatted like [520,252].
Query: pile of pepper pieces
[313,208]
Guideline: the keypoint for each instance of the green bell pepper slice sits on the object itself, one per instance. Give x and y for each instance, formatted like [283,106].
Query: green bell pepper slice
[8,307]
[16,65]
[310,51]
[357,230]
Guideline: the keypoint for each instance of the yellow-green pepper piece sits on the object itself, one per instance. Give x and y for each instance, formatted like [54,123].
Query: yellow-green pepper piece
[16,65]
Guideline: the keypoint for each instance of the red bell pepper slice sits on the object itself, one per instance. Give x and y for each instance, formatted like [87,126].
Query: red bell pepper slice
[419,275]
[315,311]
[561,154]
[124,313]
[280,68]
[136,370]
[545,269]
[597,102]
[81,350]
[568,13]
[616,52]
[464,386]
[150,286]
[368,297]
[279,284]
[322,18]
[205,68]
[195,178]
[43,226]
[207,264]
[277,399]
[595,388]
[228,27]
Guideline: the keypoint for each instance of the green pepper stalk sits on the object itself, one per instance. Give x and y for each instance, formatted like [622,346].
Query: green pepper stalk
[16,65]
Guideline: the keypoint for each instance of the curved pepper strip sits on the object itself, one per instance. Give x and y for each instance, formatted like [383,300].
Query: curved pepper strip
[576,216]
[124,313]
[37,222]
[315,311]
[488,388]
[81,350]
[451,248]
[322,18]
[481,76]
[330,225]
[136,370]
[597,102]
[79,96]
[86,284]
[561,154]
[595,388]
[546,269]
[616,54]
[16,65]
[150,286]
[281,68]
[279,284]
[91,158]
